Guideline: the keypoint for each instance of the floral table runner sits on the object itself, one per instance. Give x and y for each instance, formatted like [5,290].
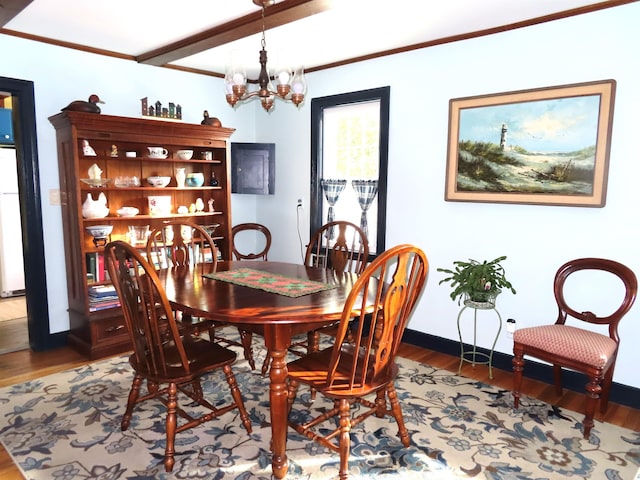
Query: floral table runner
[270,282]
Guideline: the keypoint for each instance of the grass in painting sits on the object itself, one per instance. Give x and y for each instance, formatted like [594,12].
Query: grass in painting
[486,167]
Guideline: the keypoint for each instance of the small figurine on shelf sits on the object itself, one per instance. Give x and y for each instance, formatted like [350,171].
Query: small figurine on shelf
[145,105]
[114,151]
[214,180]
[158,108]
[210,202]
[179,112]
[87,150]
[192,208]
[90,106]
[199,205]
[94,172]
[207,120]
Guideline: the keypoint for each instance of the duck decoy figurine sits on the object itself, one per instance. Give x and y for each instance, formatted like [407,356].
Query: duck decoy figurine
[90,106]
[207,120]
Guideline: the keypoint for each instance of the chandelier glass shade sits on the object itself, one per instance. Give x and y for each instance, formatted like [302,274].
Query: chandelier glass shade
[290,83]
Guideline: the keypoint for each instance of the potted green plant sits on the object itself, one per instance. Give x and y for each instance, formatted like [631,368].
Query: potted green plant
[478,282]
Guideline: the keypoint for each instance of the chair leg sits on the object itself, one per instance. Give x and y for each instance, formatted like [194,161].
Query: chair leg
[345,437]
[171,425]
[313,345]
[245,339]
[313,341]
[396,409]
[131,402]
[518,367]
[606,389]
[381,403]
[237,397]
[266,363]
[292,391]
[593,389]
[557,379]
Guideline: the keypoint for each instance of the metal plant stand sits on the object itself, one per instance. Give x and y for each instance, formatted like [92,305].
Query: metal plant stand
[471,356]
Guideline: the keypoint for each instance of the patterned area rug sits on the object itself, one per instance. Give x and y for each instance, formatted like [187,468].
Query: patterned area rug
[270,282]
[67,426]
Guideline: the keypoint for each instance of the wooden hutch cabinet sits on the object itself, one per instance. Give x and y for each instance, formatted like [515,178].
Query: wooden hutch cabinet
[119,147]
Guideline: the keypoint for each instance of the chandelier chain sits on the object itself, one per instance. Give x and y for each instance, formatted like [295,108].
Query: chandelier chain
[264,42]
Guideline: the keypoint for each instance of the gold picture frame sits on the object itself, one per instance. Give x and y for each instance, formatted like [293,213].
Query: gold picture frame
[547,146]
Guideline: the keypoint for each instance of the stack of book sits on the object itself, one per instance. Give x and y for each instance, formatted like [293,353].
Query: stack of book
[102,297]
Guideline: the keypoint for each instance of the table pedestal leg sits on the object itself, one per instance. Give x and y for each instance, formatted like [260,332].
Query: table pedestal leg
[278,399]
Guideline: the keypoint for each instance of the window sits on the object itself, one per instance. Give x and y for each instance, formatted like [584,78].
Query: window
[349,154]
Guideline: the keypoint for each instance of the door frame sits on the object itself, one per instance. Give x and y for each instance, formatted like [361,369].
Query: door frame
[24,125]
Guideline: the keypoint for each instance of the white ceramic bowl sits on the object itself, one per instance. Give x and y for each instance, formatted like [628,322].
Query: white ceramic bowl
[128,211]
[99,231]
[158,181]
[184,154]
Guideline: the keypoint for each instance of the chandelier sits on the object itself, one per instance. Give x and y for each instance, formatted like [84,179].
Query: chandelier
[291,85]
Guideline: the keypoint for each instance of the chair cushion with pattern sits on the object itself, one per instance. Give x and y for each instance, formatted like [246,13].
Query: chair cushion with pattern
[569,342]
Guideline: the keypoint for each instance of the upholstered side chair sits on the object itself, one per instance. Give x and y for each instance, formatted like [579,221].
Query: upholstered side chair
[572,342]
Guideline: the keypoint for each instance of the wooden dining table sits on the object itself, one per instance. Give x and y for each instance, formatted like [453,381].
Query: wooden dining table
[276,317]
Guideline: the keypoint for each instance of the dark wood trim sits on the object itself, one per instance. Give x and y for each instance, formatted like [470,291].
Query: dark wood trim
[60,43]
[24,118]
[11,8]
[281,14]
[620,393]
[275,16]
[478,33]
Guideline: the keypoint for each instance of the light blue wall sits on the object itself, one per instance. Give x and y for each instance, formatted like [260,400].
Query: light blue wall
[536,239]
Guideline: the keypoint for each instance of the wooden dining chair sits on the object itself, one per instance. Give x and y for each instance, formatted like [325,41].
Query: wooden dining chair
[246,338]
[568,346]
[340,246]
[181,242]
[263,231]
[167,358]
[352,372]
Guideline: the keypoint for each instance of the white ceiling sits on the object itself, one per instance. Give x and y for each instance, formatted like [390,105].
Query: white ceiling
[343,30]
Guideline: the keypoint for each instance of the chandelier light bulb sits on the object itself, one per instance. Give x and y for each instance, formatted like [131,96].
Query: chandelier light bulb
[283,77]
[299,84]
[238,78]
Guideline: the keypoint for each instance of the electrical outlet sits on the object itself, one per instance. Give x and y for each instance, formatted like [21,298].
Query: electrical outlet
[511,327]
[299,203]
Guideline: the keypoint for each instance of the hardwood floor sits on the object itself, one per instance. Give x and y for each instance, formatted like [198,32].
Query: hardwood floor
[14,333]
[18,367]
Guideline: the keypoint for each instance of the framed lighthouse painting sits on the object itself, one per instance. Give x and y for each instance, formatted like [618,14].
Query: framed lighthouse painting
[547,146]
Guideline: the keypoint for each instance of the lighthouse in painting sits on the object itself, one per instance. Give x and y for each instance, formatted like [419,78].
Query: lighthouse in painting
[503,136]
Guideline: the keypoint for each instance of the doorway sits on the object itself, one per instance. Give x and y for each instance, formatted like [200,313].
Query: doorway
[24,129]
[14,327]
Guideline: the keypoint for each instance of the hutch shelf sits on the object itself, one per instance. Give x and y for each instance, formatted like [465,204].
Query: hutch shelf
[119,146]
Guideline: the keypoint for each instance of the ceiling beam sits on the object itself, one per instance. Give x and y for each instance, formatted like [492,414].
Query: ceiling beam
[275,16]
[11,8]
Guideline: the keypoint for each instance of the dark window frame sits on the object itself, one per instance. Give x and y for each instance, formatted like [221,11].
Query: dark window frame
[318,105]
